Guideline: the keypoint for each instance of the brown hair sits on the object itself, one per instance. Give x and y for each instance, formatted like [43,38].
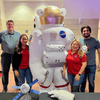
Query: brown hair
[9,21]
[18,47]
[80,51]
[89,28]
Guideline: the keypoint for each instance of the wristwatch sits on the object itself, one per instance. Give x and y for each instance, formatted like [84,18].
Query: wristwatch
[79,74]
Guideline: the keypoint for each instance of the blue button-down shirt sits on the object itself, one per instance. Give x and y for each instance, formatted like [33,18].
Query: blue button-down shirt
[9,41]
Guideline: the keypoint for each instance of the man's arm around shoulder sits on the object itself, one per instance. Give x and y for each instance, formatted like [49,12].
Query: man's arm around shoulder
[1,33]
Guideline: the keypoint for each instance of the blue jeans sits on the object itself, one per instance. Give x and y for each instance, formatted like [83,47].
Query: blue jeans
[24,73]
[73,82]
[90,73]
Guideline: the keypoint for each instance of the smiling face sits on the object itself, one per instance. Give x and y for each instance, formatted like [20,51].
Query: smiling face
[10,27]
[24,40]
[75,46]
[86,33]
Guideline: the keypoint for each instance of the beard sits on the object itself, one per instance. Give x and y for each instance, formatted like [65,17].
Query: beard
[86,36]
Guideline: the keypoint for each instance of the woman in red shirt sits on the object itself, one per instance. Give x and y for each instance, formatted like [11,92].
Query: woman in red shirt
[21,61]
[76,61]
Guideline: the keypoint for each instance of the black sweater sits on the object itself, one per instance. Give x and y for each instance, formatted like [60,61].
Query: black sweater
[17,60]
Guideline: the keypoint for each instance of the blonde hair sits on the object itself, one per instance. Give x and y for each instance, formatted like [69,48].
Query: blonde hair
[80,51]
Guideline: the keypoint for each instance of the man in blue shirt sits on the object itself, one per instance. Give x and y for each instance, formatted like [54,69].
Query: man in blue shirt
[89,45]
[8,39]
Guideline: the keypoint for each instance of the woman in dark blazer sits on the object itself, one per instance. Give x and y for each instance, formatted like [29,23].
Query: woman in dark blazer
[21,61]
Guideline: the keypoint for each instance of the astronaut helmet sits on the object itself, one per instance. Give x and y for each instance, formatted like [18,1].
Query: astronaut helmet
[51,15]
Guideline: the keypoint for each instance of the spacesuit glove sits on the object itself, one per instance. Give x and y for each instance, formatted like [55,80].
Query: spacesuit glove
[55,94]
[62,95]
[52,93]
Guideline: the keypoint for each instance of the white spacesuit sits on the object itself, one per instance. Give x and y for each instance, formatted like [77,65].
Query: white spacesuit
[48,49]
[37,22]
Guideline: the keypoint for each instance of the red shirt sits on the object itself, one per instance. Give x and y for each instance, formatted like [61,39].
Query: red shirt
[74,62]
[25,59]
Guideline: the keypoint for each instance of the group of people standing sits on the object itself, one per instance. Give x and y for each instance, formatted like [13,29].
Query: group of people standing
[15,52]
[80,63]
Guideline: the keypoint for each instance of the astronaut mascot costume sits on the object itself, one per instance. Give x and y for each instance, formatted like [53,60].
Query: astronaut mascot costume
[48,49]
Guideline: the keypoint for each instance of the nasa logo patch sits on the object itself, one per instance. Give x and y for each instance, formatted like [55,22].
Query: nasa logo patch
[75,56]
[62,34]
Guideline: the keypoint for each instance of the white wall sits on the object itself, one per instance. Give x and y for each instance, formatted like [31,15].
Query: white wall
[23,13]
[82,8]
[26,10]
[75,8]
[2,16]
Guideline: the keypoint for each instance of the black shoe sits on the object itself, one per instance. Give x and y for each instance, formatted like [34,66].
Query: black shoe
[4,91]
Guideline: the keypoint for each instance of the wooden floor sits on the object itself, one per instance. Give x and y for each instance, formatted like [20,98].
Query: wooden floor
[36,86]
[12,83]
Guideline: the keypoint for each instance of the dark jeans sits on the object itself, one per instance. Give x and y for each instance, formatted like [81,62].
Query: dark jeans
[73,82]
[90,73]
[6,60]
[24,73]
